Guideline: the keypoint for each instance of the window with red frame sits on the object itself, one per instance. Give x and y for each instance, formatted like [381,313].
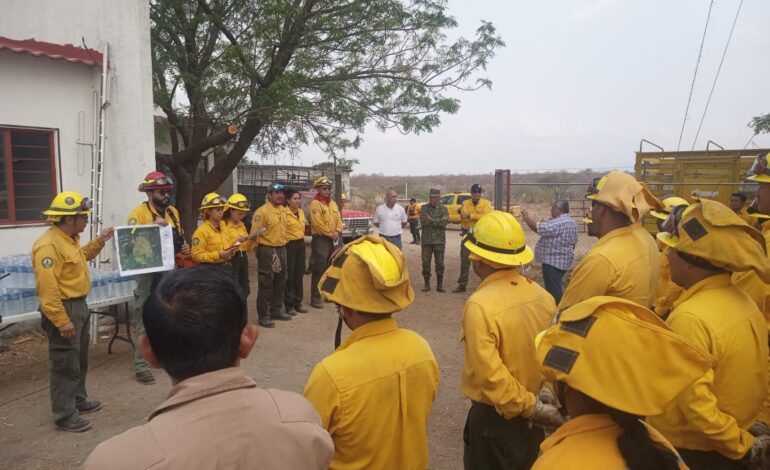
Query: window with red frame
[27,174]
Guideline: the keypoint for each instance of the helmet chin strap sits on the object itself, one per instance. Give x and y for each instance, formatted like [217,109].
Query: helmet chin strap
[338,333]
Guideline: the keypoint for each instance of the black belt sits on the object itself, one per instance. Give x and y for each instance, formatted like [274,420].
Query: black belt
[271,246]
[323,236]
[75,298]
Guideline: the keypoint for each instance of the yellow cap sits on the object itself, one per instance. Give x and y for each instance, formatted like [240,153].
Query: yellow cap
[668,204]
[621,192]
[68,203]
[322,181]
[498,237]
[238,202]
[212,200]
[601,347]
[712,231]
[368,275]
[759,170]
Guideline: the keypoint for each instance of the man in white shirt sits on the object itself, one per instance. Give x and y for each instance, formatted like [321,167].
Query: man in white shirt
[390,219]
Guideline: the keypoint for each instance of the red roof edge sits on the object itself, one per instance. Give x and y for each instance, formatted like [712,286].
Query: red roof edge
[66,52]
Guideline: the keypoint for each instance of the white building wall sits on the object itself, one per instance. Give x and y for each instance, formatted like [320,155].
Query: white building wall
[40,92]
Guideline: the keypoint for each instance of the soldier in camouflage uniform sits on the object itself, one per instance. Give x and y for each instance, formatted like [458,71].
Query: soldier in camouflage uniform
[434,218]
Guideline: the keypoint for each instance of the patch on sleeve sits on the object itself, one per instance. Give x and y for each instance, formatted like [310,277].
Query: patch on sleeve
[195,241]
[561,359]
[132,221]
[315,211]
[694,229]
[257,218]
[46,262]
[580,327]
[329,285]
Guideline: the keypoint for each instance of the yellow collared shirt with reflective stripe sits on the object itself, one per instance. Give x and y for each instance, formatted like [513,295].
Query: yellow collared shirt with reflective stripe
[325,219]
[589,442]
[145,214]
[208,240]
[666,292]
[61,271]
[295,224]
[272,218]
[235,230]
[374,395]
[714,413]
[499,325]
[475,211]
[624,263]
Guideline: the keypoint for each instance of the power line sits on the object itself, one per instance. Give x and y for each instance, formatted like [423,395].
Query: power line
[719,69]
[694,75]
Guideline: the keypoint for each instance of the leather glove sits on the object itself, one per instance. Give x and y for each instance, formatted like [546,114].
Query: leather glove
[548,396]
[548,416]
[757,457]
[759,428]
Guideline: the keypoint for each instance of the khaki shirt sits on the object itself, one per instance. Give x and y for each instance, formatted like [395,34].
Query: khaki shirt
[624,263]
[273,219]
[474,211]
[208,240]
[325,219]
[221,420]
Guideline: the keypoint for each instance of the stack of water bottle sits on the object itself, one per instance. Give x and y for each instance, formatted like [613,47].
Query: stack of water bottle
[17,286]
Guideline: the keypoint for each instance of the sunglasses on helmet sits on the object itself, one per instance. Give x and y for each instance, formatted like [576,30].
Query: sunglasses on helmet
[240,204]
[159,181]
[671,224]
[276,187]
[217,201]
[759,167]
[593,187]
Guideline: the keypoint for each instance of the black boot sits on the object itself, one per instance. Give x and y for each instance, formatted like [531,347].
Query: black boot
[440,284]
[426,288]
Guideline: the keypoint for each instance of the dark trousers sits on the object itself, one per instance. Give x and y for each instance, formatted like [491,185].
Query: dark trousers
[271,284]
[68,361]
[465,264]
[394,239]
[320,249]
[414,228]
[295,269]
[436,251]
[492,442]
[552,277]
[240,269]
[711,460]
[145,284]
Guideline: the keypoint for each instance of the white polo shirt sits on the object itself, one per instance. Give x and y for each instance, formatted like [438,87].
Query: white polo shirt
[390,219]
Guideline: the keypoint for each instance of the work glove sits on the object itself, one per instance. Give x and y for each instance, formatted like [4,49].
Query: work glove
[547,416]
[759,428]
[757,458]
[548,396]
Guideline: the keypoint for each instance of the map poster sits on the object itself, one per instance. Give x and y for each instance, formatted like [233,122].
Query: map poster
[144,249]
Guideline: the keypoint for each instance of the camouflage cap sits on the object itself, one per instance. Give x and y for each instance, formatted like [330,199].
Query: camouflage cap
[434,192]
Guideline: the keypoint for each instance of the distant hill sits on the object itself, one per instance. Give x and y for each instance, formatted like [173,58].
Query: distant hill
[369,189]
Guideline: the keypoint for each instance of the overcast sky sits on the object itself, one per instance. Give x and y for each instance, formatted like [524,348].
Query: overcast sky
[579,83]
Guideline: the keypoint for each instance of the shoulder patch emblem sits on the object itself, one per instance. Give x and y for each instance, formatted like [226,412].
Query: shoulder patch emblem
[315,211]
[46,262]
[132,221]
[257,218]
[195,241]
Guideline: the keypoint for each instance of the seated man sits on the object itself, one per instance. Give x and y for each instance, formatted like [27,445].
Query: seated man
[214,416]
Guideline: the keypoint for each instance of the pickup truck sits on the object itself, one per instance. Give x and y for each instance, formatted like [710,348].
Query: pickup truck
[452,201]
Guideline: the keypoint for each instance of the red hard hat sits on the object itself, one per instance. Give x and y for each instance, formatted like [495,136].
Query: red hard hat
[156,180]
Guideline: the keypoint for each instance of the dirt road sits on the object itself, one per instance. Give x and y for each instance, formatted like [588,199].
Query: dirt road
[282,358]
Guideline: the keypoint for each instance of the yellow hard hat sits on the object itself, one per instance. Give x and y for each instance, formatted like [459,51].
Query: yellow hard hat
[69,203]
[238,202]
[322,181]
[712,231]
[759,170]
[368,275]
[212,200]
[499,238]
[601,347]
[621,192]
[668,204]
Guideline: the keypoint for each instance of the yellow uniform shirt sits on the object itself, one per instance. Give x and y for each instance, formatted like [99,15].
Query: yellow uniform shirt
[61,271]
[273,219]
[757,289]
[475,211]
[624,263]
[413,212]
[235,230]
[208,240]
[499,325]
[589,442]
[374,395]
[714,413]
[145,214]
[325,219]
[748,218]
[295,225]
[666,292]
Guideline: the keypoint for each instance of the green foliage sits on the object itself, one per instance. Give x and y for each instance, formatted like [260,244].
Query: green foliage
[294,72]
[760,124]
